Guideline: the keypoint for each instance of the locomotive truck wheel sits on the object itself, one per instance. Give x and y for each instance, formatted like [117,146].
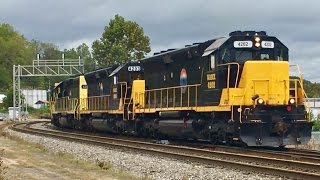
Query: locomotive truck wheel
[229,141]
[221,136]
[243,144]
[214,139]
[282,147]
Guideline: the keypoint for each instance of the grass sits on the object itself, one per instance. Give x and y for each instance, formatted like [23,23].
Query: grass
[2,167]
[103,165]
[312,145]
[38,113]
[98,166]
[68,165]
[3,125]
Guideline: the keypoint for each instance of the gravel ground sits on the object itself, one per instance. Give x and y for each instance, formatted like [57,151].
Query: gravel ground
[141,165]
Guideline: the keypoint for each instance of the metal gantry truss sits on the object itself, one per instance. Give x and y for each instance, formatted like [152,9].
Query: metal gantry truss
[64,67]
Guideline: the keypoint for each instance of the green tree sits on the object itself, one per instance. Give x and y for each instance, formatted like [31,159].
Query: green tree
[84,52]
[70,54]
[14,50]
[312,89]
[121,41]
[81,51]
[46,50]
[8,101]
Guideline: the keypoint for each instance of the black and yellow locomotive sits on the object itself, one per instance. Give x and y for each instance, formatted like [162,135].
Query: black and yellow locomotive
[226,90]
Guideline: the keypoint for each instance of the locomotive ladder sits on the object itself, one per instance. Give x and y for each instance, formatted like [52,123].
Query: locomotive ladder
[127,102]
[129,109]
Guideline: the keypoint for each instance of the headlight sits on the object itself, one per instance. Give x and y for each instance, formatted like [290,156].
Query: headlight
[260,101]
[292,101]
[257,39]
[257,44]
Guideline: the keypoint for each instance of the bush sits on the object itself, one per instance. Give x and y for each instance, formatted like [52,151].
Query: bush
[38,113]
[316,125]
[315,120]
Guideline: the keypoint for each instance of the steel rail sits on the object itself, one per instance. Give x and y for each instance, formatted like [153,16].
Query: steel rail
[286,154]
[304,152]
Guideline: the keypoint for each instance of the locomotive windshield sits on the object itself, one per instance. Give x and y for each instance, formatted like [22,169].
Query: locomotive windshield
[240,49]
[265,54]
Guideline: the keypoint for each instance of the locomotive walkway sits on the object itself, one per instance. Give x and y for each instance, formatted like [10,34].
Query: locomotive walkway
[293,164]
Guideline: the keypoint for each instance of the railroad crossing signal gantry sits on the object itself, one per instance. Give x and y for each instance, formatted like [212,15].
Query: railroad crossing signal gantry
[62,67]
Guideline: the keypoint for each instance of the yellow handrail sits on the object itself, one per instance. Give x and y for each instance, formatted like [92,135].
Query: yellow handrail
[228,80]
[128,109]
[121,93]
[300,74]
[238,70]
[65,104]
[167,97]
[96,103]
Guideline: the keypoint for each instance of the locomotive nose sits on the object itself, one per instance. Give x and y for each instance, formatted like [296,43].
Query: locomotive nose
[269,80]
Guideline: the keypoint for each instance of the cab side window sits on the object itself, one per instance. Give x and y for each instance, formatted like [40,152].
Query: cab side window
[226,56]
[212,62]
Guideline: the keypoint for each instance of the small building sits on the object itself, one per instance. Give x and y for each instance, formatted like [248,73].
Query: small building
[32,96]
[42,103]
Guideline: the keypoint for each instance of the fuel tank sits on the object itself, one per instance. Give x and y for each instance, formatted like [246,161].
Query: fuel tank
[63,121]
[178,128]
[105,125]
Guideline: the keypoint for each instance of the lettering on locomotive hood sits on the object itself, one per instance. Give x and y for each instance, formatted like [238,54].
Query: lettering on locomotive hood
[134,68]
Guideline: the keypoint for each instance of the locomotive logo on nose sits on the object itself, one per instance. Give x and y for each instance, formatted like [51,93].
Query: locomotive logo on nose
[183,79]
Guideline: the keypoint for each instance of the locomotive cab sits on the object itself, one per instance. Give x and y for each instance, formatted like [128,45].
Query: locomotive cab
[124,79]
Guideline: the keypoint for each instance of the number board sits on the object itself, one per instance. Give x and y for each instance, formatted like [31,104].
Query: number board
[267,44]
[242,44]
[134,68]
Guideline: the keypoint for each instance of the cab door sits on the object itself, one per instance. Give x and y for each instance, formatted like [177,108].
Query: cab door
[211,93]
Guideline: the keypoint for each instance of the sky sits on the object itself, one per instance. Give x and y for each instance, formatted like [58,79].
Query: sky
[173,24]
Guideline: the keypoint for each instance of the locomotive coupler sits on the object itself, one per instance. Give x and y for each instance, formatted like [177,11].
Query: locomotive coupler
[258,141]
[298,140]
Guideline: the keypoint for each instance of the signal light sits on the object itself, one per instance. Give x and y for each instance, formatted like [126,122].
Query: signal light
[292,101]
[260,101]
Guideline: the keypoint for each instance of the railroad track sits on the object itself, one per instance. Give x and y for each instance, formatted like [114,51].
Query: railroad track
[291,154]
[269,162]
[304,152]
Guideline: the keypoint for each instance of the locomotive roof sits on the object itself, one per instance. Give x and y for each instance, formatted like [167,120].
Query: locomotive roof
[119,68]
[107,69]
[207,47]
[204,45]
[215,45]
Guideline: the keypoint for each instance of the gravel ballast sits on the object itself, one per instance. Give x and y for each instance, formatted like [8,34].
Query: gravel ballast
[141,165]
